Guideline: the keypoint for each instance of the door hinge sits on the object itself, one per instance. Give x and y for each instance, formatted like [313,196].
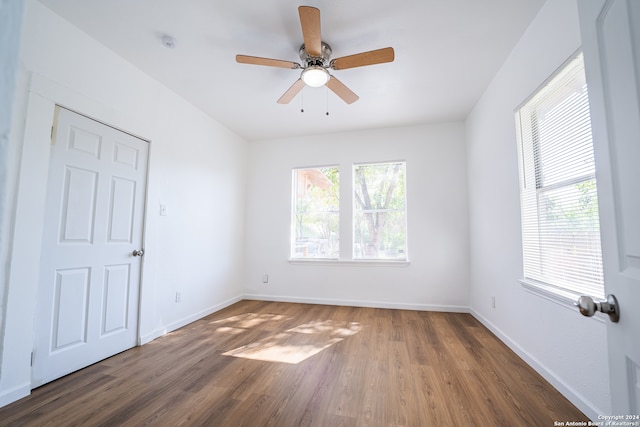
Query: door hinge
[31,358]
[54,126]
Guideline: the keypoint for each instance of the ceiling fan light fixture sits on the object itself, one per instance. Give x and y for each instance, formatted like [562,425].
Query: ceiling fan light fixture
[315,76]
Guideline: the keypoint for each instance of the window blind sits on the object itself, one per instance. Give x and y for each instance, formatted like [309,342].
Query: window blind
[560,221]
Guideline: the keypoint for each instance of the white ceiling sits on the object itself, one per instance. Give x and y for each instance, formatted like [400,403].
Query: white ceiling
[446,52]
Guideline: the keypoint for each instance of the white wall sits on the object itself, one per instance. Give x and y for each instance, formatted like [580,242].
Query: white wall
[565,347]
[437,277]
[197,168]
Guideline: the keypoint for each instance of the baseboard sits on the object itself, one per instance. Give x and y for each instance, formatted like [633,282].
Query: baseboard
[14,394]
[144,339]
[199,315]
[361,303]
[587,407]
[147,338]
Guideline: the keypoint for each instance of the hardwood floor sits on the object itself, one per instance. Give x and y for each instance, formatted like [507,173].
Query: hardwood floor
[280,364]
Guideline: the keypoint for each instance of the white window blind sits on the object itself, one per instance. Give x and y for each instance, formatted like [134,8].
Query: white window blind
[560,221]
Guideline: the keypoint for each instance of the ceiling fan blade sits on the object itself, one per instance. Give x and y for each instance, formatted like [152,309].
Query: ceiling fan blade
[291,92]
[310,22]
[342,91]
[255,60]
[371,57]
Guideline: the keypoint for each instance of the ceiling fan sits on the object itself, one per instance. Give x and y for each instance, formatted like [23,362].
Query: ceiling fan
[316,60]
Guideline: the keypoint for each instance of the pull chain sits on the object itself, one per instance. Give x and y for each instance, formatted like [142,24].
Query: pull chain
[327,96]
[302,101]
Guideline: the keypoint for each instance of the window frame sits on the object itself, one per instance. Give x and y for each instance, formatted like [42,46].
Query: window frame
[346,227]
[354,210]
[295,212]
[528,158]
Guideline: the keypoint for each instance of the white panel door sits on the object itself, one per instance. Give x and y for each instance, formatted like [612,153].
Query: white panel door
[611,45]
[89,278]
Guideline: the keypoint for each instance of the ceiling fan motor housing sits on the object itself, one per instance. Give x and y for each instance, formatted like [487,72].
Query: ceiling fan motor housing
[322,61]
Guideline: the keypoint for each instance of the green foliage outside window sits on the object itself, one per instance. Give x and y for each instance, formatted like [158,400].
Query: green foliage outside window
[316,212]
[379,211]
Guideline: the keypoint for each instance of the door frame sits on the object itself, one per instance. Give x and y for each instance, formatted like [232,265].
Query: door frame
[48,365]
[26,242]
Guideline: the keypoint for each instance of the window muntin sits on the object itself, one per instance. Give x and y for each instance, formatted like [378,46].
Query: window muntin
[379,211]
[560,221]
[315,231]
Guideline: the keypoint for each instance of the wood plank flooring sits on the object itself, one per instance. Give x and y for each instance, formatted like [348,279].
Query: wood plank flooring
[279,364]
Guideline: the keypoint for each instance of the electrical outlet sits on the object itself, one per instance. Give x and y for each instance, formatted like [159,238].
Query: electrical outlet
[493,302]
[265,278]
[178,297]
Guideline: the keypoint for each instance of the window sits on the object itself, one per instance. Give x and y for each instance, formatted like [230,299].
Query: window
[378,224]
[379,216]
[315,213]
[560,222]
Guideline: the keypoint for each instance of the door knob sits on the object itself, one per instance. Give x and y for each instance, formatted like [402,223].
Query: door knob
[138,252]
[588,307]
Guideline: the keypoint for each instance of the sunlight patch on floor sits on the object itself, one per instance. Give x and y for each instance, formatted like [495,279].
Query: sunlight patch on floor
[249,320]
[297,344]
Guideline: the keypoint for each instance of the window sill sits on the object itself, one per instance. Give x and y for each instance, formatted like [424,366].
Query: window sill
[559,296]
[357,263]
